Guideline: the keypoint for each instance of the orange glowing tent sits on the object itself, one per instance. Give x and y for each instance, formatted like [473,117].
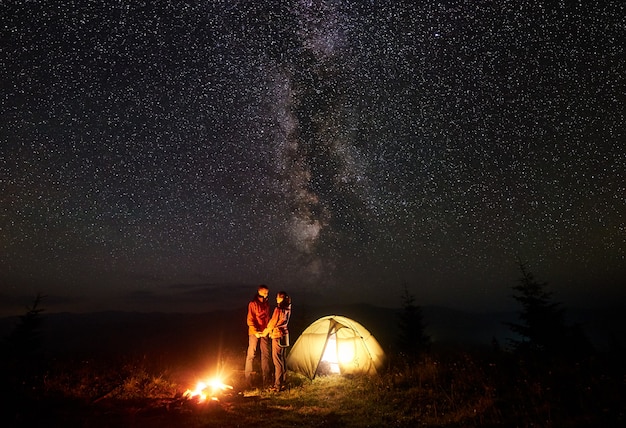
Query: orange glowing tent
[335,344]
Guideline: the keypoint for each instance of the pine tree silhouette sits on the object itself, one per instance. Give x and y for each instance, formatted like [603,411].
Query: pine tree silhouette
[22,351]
[542,329]
[412,339]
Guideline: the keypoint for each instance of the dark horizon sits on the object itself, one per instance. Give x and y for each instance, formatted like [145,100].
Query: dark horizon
[200,298]
[69,332]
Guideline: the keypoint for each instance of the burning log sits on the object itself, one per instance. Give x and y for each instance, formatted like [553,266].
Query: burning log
[209,390]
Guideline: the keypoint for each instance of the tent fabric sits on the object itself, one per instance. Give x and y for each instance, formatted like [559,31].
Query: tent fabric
[352,345]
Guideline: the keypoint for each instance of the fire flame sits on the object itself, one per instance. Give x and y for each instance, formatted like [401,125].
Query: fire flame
[209,389]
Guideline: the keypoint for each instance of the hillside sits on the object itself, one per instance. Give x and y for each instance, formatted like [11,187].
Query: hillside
[184,333]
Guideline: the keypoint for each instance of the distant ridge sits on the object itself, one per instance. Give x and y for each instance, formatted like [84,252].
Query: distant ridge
[150,332]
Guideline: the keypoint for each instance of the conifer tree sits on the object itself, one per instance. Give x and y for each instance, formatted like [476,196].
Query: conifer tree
[542,328]
[412,339]
[21,359]
[25,341]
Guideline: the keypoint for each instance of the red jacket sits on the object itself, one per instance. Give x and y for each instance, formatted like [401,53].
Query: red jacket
[258,315]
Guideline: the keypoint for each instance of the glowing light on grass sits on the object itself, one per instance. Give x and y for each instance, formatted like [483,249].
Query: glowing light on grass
[207,390]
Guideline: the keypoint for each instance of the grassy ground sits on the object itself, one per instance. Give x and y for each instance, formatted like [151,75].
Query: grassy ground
[452,388]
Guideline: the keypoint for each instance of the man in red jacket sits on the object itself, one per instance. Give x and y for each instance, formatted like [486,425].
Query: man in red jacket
[258,317]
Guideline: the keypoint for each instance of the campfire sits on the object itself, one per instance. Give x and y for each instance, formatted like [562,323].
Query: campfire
[210,389]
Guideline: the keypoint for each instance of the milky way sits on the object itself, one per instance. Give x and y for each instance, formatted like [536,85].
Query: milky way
[340,149]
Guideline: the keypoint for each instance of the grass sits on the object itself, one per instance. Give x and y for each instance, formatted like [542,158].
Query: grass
[453,388]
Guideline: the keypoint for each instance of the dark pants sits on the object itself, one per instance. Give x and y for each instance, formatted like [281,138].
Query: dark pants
[280,368]
[264,344]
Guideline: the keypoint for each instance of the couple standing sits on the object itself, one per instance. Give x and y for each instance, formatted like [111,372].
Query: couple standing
[262,328]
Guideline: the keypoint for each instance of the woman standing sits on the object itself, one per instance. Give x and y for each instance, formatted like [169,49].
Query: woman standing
[278,332]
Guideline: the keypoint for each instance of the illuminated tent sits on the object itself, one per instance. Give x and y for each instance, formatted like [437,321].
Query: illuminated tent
[335,344]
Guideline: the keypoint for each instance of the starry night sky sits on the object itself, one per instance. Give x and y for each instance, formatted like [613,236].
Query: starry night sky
[170,155]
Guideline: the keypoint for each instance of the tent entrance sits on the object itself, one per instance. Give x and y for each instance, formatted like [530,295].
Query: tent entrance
[338,353]
[329,363]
